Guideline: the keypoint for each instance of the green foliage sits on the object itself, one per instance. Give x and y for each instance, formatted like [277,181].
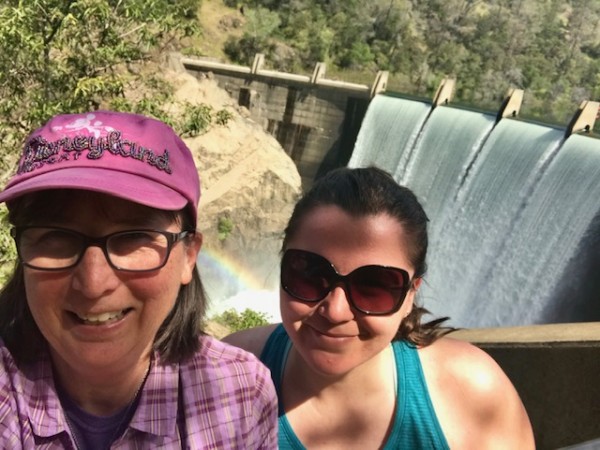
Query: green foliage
[8,251]
[261,27]
[151,103]
[550,48]
[69,56]
[236,321]
[223,117]
[359,55]
[197,118]
[224,227]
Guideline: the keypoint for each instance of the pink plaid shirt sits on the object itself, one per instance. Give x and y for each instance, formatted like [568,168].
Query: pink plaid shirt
[222,398]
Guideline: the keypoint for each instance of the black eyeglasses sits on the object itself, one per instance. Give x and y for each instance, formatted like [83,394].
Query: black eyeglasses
[52,248]
[374,290]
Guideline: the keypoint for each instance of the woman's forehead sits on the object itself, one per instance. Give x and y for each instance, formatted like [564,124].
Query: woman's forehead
[71,205]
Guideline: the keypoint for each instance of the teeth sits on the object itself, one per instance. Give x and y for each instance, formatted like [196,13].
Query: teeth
[96,319]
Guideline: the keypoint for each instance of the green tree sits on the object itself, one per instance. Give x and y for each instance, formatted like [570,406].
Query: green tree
[68,56]
[261,26]
[311,35]
[224,227]
[549,48]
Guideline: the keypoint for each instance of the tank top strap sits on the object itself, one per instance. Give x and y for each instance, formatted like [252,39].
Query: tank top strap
[274,356]
[415,422]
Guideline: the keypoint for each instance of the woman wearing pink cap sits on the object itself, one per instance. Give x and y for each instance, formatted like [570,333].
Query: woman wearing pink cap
[100,341]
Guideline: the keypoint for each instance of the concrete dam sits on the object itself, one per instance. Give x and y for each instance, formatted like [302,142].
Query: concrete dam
[315,120]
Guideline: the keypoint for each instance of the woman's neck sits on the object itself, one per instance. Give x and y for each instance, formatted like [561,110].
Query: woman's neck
[102,394]
[301,381]
[351,410]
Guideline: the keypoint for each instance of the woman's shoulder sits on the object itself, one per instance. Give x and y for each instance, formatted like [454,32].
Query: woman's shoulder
[252,340]
[454,362]
[217,360]
[470,391]
[451,351]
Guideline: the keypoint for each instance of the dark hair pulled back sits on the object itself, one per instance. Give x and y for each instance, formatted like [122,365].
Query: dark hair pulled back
[372,191]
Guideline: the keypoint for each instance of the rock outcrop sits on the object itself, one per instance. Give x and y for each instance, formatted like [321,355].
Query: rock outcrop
[249,187]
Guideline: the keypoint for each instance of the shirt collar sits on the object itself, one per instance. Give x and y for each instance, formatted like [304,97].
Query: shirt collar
[156,412]
[44,410]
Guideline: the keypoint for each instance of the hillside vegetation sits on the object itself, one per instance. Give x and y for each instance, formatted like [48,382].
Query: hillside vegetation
[66,55]
[548,48]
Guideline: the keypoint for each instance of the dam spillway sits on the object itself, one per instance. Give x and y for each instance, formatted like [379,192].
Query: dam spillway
[514,210]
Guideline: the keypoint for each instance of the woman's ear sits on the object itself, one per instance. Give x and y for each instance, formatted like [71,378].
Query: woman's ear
[192,248]
[410,296]
[416,283]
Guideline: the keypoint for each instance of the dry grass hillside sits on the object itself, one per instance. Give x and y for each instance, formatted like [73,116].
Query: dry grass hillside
[218,23]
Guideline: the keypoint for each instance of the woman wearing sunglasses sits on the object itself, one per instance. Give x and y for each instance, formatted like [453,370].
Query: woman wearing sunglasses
[100,339]
[352,363]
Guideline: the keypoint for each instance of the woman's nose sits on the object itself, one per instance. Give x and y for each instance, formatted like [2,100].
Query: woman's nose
[336,306]
[94,276]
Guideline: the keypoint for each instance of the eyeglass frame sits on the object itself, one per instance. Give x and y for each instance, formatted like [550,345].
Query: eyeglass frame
[101,242]
[344,282]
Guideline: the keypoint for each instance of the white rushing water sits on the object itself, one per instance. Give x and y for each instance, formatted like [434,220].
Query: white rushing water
[514,210]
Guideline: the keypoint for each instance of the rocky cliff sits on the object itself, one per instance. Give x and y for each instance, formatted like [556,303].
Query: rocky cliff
[249,187]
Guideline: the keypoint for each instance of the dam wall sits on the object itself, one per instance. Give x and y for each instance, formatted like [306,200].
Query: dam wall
[316,120]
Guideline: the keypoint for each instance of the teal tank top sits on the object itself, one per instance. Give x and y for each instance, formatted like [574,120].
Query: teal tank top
[415,424]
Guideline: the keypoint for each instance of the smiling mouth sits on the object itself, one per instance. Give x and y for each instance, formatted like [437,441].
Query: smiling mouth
[104,318]
[334,335]
[337,336]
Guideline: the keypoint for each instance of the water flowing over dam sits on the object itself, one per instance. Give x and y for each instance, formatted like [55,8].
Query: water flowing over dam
[514,210]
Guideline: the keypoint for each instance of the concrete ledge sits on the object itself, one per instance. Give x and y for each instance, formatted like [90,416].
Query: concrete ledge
[265,75]
[213,65]
[555,368]
[542,334]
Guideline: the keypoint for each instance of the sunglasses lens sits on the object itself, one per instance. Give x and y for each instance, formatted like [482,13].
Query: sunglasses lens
[378,290]
[373,289]
[305,275]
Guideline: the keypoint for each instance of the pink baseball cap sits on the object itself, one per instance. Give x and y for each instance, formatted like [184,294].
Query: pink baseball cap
[130,156]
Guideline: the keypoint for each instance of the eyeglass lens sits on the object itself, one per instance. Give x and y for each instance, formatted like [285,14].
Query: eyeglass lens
[371,289]
[56,248]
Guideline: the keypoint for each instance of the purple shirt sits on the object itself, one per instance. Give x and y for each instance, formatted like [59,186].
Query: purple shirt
[222,398]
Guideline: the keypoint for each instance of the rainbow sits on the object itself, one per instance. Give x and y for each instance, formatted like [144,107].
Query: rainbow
[231,284]
[227,270]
